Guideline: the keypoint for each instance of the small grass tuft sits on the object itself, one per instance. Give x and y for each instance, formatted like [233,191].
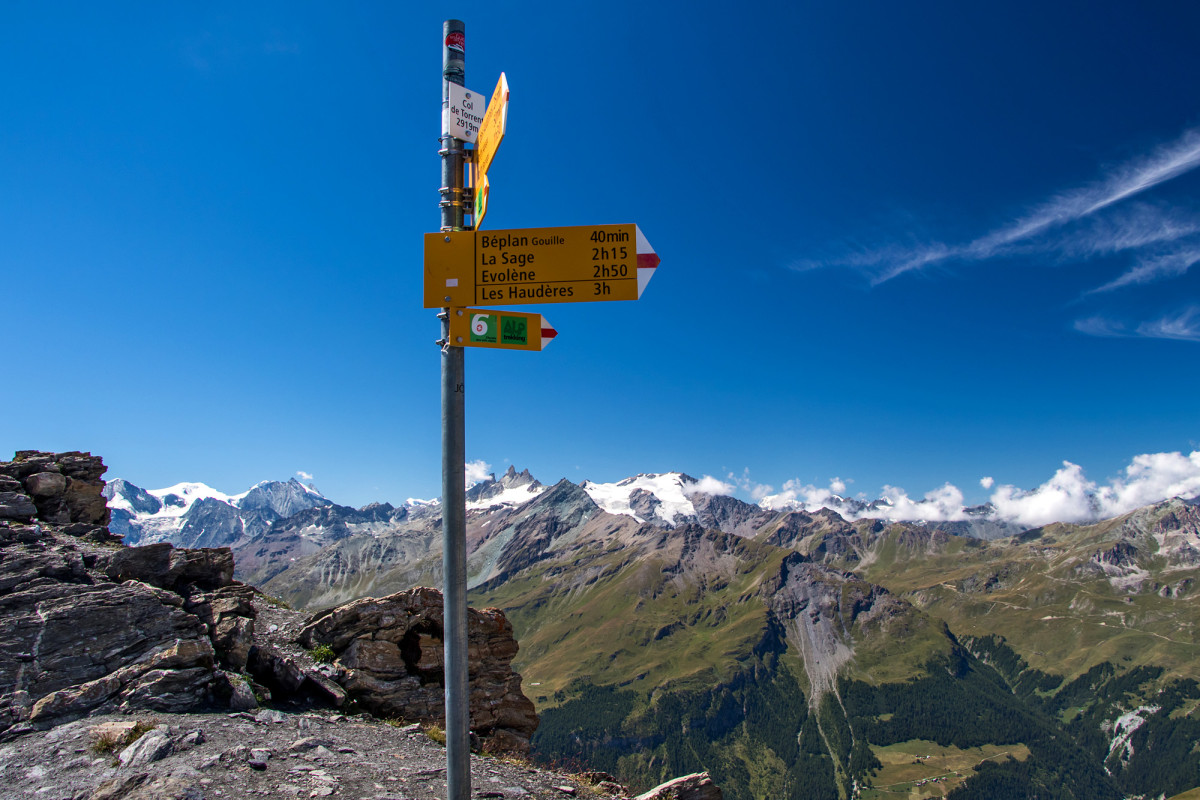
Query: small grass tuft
[323,654]
[113,742]
[510,757]
[278,602]
[435,732]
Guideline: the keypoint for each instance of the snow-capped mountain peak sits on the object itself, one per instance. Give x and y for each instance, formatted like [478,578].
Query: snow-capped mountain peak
[195,514]
[512,489]
[647,497]
[285,499]
[178,499]
[124,496]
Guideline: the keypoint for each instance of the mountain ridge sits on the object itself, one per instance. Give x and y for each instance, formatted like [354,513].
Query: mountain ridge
[687,610]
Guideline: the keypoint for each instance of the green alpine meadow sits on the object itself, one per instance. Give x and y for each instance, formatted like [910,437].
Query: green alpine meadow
[796,654]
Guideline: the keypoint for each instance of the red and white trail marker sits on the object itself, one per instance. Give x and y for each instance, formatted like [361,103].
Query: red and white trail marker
[647,261]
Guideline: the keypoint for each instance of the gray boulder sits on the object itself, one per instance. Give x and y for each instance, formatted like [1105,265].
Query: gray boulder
[697,786]
[389,659]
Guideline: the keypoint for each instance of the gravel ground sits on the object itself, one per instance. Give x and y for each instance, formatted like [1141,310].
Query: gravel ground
[291,752]
[267,753]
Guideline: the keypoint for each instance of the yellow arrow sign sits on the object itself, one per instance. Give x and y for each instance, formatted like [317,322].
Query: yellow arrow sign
[491,133]
[491,130]
[506,330]
[527,266]
[481,198]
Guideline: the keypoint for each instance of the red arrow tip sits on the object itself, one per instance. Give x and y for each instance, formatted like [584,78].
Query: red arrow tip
[648,260]
[549,333]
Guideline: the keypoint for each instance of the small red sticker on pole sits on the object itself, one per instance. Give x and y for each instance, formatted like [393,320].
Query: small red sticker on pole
[457,40]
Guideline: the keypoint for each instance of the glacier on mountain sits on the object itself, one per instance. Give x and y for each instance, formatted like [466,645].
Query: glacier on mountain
[197,515]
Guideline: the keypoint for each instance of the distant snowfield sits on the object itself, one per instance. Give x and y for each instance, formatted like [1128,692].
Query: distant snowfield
[668,488]
[189,493]
[515,496]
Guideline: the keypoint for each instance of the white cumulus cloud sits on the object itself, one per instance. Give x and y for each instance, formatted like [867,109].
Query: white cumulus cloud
[304,476]
[710,485]
[760,492]
[941,505]
[1153,477]
[477,471]
[1068,496]
[797,494]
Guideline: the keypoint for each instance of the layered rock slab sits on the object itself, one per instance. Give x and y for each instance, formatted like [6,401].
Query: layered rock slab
[86,625]
[388,656]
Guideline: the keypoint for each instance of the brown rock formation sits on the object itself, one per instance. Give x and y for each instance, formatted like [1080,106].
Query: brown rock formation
[389,658]
[698,786]
[64,487]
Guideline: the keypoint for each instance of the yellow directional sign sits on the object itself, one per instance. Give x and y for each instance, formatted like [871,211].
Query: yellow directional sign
[481,197]
[532,266]
[507,330]
[491,130]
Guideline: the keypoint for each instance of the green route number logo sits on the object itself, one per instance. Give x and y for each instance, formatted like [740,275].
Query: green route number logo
[499,329]
[483,328]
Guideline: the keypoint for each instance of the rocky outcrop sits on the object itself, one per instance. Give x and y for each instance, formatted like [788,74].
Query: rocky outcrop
[698,786]
[644,504]
[56,488]
[794,528]
[819,609]
[558,510]
[730,514]
[1121,554]
[88,626]
[389,659]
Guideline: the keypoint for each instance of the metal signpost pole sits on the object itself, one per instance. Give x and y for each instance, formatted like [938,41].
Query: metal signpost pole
[454,522]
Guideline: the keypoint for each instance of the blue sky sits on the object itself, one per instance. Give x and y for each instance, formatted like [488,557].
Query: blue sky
[903,245]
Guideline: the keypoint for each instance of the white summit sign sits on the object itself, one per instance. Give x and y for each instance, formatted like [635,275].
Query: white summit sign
[463,115]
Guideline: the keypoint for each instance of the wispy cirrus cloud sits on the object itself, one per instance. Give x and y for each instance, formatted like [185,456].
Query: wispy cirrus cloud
[1154,268]
[1070,225]
[1102,326]
[1138,226]
[1183,325]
